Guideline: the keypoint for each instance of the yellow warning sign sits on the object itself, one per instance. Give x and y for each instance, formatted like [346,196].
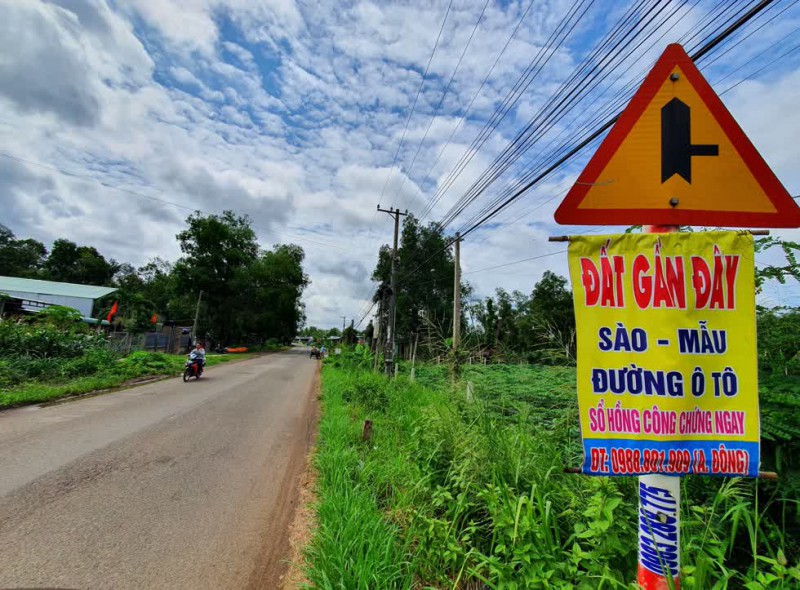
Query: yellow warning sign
[676,156]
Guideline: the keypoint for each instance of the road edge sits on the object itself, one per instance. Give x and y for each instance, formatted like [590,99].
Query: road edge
[130,384]
[277,562]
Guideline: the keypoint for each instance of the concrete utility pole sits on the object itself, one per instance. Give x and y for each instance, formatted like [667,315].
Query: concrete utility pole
[378,336]
[390,333]
[457,294]
[196,316]
[343,319]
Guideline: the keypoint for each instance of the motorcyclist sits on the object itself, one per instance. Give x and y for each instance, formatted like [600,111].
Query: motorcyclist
[198,355]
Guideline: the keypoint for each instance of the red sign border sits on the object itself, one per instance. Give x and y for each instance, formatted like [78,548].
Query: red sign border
[568,212]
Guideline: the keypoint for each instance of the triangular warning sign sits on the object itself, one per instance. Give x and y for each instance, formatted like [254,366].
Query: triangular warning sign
[676,156]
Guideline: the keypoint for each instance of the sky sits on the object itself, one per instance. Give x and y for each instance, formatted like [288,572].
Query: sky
[120,118]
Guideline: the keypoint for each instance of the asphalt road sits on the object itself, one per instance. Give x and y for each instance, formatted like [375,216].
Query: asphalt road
[166,485]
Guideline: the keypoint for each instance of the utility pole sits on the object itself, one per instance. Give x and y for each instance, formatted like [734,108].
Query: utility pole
[457,294]
[378,335]
[396,214]
[343,319]
[196,316]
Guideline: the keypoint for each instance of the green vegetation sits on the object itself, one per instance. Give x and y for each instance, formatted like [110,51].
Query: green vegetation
[250,295]
[58,356]
[452,493]
[117,372]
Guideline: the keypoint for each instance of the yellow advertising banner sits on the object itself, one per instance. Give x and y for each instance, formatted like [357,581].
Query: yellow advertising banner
[667,368]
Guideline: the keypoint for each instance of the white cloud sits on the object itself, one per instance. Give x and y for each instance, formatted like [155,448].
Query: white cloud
[292,113]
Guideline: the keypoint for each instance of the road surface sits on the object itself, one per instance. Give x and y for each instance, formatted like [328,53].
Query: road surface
[166,485]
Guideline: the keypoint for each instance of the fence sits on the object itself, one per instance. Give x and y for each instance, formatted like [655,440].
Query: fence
[169,341]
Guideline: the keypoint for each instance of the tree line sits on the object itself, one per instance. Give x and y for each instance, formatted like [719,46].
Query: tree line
[246,294]
[538,326]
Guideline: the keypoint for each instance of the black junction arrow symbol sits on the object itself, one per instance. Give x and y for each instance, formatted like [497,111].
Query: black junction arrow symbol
[676,145]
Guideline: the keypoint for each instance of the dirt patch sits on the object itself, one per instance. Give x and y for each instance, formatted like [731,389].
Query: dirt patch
[302,527]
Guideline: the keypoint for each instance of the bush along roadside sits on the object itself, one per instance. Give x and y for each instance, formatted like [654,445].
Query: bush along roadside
[45,361]
[448,493]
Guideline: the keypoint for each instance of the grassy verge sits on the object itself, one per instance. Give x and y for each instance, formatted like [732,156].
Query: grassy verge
[450,493]
[115,373]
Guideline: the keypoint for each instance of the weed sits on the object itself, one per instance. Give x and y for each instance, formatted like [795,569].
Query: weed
[457,493]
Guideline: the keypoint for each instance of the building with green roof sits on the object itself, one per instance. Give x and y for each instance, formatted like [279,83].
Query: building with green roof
[80,297]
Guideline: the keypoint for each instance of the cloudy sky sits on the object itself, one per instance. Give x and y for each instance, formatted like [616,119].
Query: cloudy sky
[118,118]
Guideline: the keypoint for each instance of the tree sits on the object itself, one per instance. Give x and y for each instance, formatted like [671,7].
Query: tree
[84,265]
[778,273]
[249,294]
[20,258]
[350,336]
[269,292]
[551,302]
[425,270]
[216,248]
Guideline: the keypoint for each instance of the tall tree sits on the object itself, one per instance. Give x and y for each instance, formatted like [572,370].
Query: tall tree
[269,294]
[425,269]
[19,258]
[216,249]
[71,263]
[551,302]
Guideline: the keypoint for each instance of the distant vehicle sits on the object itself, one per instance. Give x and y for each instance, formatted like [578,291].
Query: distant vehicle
[315,353]
[192,368]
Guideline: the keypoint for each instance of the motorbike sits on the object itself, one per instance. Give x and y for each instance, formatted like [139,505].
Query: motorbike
[192,368]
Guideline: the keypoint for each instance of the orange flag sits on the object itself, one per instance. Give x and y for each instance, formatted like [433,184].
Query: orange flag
[112,313]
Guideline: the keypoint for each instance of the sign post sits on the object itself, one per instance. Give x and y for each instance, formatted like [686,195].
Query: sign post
[659,506]
[667,362]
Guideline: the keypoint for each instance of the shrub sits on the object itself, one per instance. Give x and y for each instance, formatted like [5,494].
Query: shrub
[45,340]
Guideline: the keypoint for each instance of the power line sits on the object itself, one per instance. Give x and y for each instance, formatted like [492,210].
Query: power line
[596,134]
[761,69]
[621,96]
[571,93]
[514,262]
[589,136]
[411,113]
[535,67]
[416,98]
[441,100]
[474,98]
[603,128]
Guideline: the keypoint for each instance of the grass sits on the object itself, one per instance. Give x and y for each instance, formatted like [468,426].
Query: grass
[450,493]
[117,372]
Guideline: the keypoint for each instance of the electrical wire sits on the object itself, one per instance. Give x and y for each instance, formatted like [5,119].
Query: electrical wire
[590,136]
[463,116]
[567,98]
[572,152]
[536,66]
[410,114]
[712,15]
[441,100]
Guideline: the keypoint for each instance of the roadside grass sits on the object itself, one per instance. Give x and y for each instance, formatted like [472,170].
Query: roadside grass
[114,373]
[455,494]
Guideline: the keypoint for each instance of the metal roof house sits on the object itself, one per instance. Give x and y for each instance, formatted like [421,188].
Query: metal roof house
[80,297]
